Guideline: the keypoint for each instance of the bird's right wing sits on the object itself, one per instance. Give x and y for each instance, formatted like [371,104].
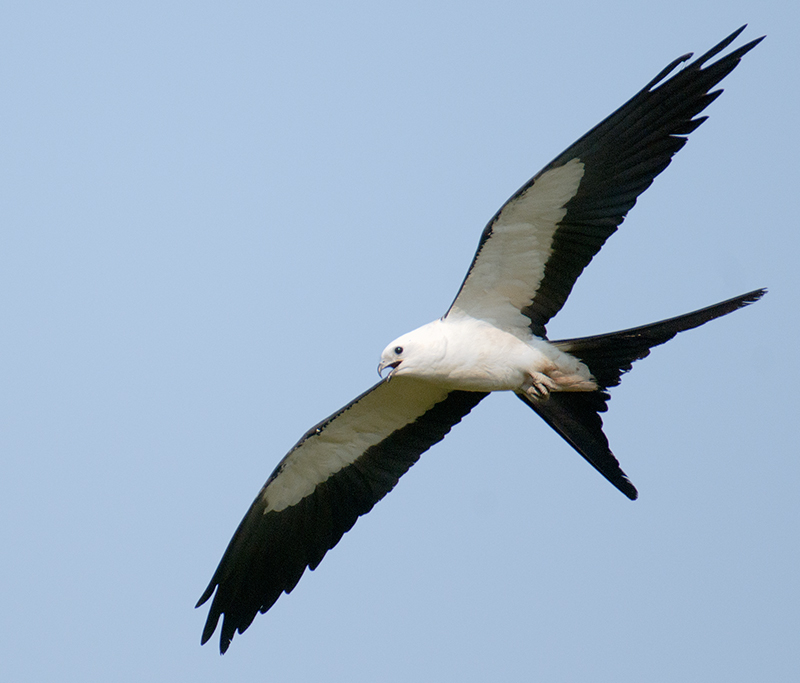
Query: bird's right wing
[334,474]
[533,250]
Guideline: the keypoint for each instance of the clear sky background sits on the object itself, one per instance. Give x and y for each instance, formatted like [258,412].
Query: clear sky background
[214,216]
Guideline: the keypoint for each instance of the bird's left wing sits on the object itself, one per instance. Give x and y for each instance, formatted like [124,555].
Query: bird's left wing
[334,474]
[533,250]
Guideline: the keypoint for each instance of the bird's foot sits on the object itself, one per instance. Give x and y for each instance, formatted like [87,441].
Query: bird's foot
[538,386]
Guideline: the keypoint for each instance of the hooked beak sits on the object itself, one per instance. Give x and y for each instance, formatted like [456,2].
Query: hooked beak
[383,365]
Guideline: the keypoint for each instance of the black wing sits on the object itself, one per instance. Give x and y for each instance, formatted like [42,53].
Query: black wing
[533,250]
[335,473]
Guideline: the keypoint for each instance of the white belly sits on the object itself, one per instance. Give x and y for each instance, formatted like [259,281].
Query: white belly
[481,357]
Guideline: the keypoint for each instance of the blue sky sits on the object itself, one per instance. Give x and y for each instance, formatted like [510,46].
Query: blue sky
[214,217]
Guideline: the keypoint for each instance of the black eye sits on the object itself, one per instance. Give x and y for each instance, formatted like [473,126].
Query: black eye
[398,350]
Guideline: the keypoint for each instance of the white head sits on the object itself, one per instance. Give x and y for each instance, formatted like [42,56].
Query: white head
[416,352]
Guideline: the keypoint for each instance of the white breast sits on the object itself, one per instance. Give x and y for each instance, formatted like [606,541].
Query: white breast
[480,357]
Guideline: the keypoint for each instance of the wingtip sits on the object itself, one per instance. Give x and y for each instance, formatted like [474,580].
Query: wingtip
[211,621]
[706,56]
[737,33]
[720,46]
[668,69]
[755,295]
[224,645]
[208,630]
[621,482]
[745,299]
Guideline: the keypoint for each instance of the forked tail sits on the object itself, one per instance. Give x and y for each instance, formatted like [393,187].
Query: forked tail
[576,416]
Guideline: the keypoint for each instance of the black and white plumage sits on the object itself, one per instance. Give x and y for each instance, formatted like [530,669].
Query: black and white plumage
[492,338]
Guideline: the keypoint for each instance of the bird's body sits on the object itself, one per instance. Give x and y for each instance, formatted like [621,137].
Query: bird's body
[466,353]
[492,338]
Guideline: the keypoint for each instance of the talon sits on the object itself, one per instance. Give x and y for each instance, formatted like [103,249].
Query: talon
[539,386]
[538,393]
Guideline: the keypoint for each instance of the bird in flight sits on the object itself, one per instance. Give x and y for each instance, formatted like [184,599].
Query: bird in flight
[492,338]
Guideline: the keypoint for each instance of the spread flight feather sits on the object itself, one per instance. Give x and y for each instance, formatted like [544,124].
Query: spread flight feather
[492,338]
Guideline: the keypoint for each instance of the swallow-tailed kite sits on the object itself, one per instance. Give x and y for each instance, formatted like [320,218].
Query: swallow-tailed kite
[492,338]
